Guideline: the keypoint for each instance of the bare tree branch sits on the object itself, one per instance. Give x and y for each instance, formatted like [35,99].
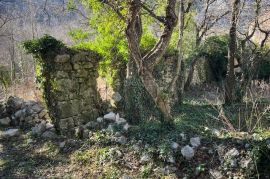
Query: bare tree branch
[152,14]
[115,8]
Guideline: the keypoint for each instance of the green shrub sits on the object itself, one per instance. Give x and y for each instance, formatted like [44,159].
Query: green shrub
[264,68]
[44,51]
[5,80]
[215,49]
[42,46]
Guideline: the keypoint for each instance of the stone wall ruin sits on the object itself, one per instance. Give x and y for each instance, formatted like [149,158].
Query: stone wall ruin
[70,89]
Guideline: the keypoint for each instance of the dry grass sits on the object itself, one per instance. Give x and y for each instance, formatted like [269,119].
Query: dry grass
[26,89]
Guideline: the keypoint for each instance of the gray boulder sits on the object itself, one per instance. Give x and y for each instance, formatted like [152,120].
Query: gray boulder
[183,136]
[62,145]
[79,132]
[20,114]
[49,126]
[11,133]
[145,158]
[49,135]
[111,128]
[174,145]
[118,134]
[120,121]
[42,114]
[187,152]
[39,128]
[36,108]
[121,140]
[244,163]
[14,104]
[116,97]
[126,127]
[216,174]
[232,153]
[110,116]
[171,159]
[86,133]
[100,120]
[126,177]
[5,121]
[91,125]
[195,141]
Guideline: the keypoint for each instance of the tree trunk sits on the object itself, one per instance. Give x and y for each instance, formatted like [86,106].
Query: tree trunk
[190,73]
[230,77]
[177,93]
[193,62]
[146,64]
[138,104]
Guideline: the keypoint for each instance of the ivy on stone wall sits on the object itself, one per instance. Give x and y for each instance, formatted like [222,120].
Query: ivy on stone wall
[44,51]
[67,78]
[5,80]
[42,46]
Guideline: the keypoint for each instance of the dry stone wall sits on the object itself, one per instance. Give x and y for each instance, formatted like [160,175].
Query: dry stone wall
[73,99]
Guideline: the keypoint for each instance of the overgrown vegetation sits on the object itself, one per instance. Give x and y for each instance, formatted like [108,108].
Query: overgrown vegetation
[46,45]
[5,80]
[215,50]
[44,51]
[135,38]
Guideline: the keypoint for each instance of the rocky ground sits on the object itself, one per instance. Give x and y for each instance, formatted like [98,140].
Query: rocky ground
[112,148]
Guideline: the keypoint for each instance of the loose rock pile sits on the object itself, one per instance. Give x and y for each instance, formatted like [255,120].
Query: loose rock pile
[17,112]
[22,114]
[110,122]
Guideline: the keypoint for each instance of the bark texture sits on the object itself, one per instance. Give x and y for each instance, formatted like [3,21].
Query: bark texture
[230,77]
[145,64]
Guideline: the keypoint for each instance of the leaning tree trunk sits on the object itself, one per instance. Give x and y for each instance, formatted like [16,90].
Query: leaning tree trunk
[193,62]
[179,78]
[190,73]
[138,104]
[145,64]
[230,77]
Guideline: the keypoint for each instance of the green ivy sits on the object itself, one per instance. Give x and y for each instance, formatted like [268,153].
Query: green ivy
[42,46]
[44,51]
[5,80]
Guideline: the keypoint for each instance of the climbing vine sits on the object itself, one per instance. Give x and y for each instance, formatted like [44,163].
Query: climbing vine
[44,51]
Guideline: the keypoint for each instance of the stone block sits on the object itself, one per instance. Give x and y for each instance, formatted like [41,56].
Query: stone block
[62,58]
[69,108]
[64,85]
[81,80]
[65,109]
[89,115]
[81,73]
[61,96]
[78,120]
[66,124]
[75,105]
[73,96]
[61,74]
[87,65]
[80,57]
[77,66]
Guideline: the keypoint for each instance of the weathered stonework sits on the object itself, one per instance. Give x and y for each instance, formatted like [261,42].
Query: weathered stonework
[73,97]
[165,70]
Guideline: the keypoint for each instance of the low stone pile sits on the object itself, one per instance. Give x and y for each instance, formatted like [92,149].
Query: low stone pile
[22,114]
[17,112]
[110,122]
